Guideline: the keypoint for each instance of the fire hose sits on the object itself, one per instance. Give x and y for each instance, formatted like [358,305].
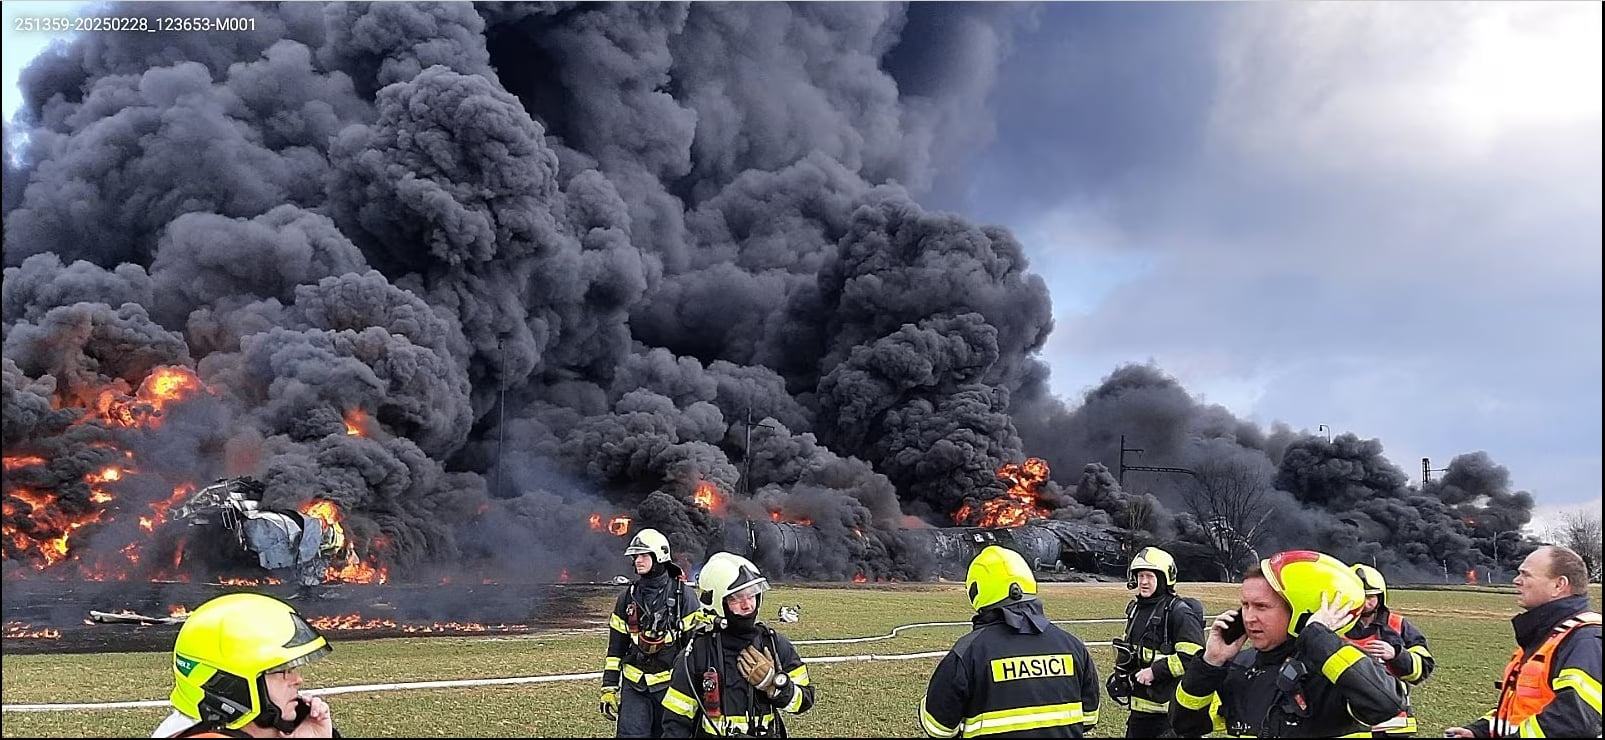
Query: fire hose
[554,678]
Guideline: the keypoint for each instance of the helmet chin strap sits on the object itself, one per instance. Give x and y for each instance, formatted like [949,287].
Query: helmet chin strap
[271,718]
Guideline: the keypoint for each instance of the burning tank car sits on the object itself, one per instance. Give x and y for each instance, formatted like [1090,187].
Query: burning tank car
[292,546]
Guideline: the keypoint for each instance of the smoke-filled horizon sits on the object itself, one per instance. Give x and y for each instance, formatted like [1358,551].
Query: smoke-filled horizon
[554,256]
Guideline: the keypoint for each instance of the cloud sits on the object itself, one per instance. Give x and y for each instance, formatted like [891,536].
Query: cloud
[1383,218]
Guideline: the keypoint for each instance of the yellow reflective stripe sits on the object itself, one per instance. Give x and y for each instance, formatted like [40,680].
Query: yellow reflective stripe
[724,725]
[1361,733]
[1586,686]
[679,703]
[1416,666]
[794,704]
[611,664]
[1400,725]
[1139,704]
[1529,728]
[688,621]
[1023,718]
[931,726]
[1340,661]
[618,625]
[1173,662]
[1188,701]
[1188,648]
[1089,718]
[631,673]
[799,675]
[1032,666]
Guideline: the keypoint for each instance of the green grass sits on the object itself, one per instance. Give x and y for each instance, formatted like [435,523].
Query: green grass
[1468,629]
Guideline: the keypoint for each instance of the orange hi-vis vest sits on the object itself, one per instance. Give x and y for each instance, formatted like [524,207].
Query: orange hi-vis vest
[1525,690]
[1404,723]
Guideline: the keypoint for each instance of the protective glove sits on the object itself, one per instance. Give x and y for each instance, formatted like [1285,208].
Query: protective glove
[610,703]
[702,620]
[757,667]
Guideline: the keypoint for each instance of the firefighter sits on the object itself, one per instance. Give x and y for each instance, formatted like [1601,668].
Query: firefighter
[1300,679]
[651,622]
[1162,629]
[1392,640]
[1551,687]
[1015,674]
[736,677]
[237,672]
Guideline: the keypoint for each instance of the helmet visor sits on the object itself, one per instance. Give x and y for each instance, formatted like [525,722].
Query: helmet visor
[294,663]
[752,589]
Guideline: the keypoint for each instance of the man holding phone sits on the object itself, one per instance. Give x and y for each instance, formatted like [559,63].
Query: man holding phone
[237,672]
[1299,678]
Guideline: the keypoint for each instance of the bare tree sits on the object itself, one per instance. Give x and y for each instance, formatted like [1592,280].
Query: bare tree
[1230,497]
[1580,531]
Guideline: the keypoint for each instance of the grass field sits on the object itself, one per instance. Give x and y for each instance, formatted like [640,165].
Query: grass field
[1468,629]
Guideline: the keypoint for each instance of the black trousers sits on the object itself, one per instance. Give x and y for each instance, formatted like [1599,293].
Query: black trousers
[641,711]
[1148,724]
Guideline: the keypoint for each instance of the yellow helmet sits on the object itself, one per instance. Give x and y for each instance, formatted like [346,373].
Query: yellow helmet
[226,648]
[649,542]
[1305,577]
[1156,560]
[999,575]
[724,575]
[1372,580]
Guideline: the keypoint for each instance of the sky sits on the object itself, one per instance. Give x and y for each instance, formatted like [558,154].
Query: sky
[1383,218]
[1380,217]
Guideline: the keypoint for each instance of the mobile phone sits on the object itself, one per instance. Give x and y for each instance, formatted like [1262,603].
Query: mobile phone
[1235,630]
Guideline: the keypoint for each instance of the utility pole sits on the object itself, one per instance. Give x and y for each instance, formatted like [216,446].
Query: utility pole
[746,458]
[501,414]
[1427,470]
[1143,468]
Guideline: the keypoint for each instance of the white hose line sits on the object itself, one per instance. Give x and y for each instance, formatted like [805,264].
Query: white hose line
[517,680]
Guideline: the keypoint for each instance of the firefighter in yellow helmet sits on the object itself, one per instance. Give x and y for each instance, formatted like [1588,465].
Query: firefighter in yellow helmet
[1299,679]
[236,672]
[1163,630]
[1392,640]
[1015,674]
[651,621]
[736,677]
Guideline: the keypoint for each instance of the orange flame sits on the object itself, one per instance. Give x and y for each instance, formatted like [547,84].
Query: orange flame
[859,578]
[707,497]
[356,423]
[95,480]
[563,576]
[159,509]
[619,525]
[13,462]
[596,522]
[177,610]
[16,630]
[163,387]
[1471,577]
[352,569]
[1018,505]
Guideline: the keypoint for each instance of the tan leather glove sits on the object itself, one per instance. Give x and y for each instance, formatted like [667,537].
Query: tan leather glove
[757,667]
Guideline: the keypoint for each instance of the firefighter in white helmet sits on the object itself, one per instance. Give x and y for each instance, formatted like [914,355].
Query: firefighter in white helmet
[1163,632]
[738,677]
[650,623]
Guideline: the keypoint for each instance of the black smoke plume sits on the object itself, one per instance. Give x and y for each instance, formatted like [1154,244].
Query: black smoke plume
[555,256]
